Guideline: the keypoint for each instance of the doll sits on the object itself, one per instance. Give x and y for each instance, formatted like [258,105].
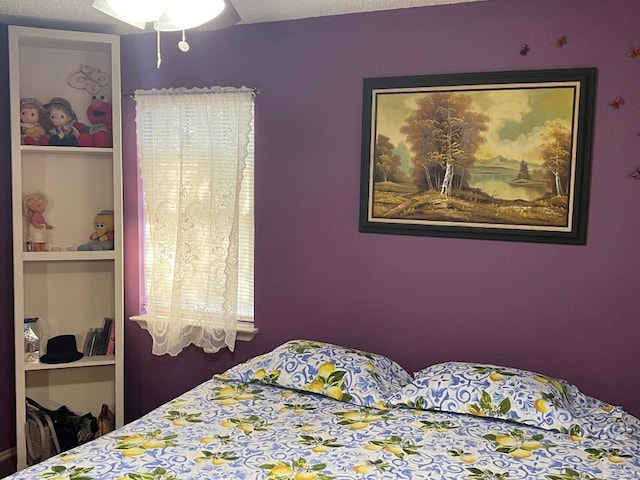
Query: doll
[62,118]
[34,207]
[31,113]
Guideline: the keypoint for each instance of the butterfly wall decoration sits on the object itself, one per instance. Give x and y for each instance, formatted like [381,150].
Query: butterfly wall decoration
[89,78]
[560,42]
[617,102]
[634,52]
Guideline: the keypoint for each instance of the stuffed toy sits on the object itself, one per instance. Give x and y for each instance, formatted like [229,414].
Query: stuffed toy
[102,237]
[32,113]
[62,118]
[98,133]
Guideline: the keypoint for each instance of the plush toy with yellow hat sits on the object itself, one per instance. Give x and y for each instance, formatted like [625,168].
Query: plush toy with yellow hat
[102,237]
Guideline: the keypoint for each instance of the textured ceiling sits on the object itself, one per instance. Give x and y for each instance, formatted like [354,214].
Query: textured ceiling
[80,15]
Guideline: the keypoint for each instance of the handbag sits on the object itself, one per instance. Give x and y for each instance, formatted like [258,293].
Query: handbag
[87,428]
[65,424]
[106,421]
[40,433]
[66,428]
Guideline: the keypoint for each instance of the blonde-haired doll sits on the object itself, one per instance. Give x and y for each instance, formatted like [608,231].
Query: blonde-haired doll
[34,207]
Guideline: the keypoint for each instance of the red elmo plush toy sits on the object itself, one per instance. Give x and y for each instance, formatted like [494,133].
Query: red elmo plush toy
[98,134]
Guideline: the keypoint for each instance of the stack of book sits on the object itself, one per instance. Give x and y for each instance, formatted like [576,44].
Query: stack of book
[100,341]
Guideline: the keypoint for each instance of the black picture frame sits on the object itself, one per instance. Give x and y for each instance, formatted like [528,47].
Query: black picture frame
[493,155]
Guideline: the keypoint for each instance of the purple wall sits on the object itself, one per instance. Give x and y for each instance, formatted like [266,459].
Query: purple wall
[568,311]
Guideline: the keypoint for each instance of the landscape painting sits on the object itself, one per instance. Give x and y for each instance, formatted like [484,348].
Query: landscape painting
[502,156]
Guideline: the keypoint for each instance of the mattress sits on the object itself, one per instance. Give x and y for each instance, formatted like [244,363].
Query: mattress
[231,428]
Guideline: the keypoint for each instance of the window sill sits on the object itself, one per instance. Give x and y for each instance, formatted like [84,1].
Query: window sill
[245,333]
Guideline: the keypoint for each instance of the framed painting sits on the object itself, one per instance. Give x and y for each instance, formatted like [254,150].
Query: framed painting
[498,156]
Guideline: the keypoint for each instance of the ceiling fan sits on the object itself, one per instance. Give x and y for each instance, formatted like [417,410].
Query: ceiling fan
[172,15]
[227,18]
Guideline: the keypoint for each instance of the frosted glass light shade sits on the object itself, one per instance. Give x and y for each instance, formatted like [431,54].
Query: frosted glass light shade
[185,14]
[137,13]
[166,15]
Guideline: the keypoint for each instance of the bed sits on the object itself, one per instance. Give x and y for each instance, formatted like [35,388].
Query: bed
[313,410]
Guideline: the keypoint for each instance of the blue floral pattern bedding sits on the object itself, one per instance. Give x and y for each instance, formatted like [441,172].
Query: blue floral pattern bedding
[229,429]
[346,374]
[512,394]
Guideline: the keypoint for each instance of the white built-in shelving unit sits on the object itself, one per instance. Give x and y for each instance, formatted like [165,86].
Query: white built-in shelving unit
[69,291]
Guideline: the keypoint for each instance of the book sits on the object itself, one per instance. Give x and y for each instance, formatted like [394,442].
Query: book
[93,342]
[87,342]
[111,345]
[104,336]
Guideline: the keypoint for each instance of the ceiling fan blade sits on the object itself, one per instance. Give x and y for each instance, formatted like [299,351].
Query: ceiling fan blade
[227,18]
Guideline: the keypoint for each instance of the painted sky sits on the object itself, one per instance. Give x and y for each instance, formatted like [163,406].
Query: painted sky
[517,117]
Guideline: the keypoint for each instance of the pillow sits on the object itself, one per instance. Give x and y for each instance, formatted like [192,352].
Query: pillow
[345,374]
[600,419]
[510,394]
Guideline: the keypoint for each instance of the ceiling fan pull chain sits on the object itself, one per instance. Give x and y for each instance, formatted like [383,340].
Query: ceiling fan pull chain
[158,49]
[183,45]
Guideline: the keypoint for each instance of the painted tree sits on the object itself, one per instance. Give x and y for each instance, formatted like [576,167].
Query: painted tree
[386,161]
[524,171]
[556,154]
[443,134]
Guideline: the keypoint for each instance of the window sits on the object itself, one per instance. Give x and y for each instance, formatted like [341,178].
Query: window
[196,160]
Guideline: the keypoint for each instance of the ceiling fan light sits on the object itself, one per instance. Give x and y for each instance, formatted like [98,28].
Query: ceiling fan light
[185,14]
[137,13]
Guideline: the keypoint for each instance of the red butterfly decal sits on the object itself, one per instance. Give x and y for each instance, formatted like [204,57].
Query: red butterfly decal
[633,53]
[560,42]
[524,49]
[617,102]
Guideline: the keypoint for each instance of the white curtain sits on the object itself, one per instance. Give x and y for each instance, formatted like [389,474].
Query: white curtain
[192,150]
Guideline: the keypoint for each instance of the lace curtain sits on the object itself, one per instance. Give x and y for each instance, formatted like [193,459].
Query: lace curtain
[192,149]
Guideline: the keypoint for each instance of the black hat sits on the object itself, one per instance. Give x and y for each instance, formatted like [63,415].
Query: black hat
[61,349]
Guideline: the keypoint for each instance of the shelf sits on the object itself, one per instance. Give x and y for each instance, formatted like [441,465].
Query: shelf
[95,361]
[68,256]
[50,40]
[48,150]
